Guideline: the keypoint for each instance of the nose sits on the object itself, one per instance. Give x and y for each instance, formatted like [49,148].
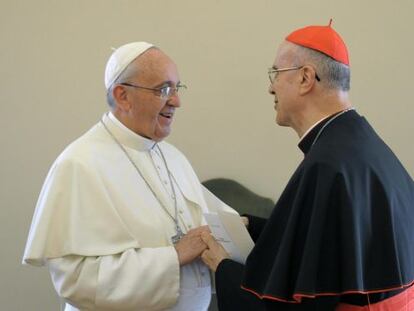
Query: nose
[270,90]
[174,100]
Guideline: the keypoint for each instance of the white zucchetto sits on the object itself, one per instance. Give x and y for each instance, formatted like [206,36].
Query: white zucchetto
[121,58]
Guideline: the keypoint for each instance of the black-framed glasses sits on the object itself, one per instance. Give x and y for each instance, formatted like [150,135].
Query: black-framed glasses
[164,92]
[273,72]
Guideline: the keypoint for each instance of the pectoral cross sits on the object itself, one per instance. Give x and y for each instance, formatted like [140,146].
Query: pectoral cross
[177,237]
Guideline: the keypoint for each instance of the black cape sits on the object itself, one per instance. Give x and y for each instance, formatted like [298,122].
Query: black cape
[343,225]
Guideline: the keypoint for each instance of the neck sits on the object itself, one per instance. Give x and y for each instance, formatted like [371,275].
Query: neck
[318,110]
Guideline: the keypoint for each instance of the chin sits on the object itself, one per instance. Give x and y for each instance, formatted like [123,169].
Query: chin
[277,119]
[161,135]
[281,122]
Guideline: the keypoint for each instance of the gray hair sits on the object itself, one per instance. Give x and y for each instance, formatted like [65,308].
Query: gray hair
[333,74]
[129,72]
[110,97]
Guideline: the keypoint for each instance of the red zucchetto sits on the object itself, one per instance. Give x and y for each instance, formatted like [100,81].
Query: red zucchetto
[323,39]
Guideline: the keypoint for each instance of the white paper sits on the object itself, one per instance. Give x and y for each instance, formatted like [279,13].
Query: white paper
[227,228]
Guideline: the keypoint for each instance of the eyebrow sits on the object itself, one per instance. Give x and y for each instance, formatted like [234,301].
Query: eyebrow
[167,83]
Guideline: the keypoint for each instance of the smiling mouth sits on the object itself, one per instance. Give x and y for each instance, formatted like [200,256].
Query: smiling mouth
[167,115]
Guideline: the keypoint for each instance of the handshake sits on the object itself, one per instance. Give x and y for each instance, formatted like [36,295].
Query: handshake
[199,242]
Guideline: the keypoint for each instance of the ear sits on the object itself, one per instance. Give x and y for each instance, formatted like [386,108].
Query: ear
[308,79]
[121,98]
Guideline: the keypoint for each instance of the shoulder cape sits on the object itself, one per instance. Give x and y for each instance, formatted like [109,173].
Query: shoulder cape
[344,223]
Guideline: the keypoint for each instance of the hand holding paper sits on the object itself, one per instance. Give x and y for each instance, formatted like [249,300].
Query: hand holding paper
[214,254]
[228,229]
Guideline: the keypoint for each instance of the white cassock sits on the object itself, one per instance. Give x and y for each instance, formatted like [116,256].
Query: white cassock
[104,235]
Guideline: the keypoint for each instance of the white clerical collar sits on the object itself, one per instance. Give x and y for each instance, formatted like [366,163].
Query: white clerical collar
[312,127]
[125,135]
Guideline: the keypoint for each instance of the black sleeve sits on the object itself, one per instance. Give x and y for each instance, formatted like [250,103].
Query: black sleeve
[230,296]
[255,227]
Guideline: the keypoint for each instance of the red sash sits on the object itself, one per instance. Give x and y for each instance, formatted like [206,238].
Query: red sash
[404,301]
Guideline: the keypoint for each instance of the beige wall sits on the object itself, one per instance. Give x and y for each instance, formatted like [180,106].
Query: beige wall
[52,56]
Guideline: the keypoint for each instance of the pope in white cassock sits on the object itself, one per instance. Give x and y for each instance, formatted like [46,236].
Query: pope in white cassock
[119,217]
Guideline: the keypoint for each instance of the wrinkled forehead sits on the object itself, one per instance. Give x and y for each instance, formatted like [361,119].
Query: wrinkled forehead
[154,58]
[154,66]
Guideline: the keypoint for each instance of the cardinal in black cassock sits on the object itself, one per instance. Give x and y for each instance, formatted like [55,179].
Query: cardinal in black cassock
[341,236]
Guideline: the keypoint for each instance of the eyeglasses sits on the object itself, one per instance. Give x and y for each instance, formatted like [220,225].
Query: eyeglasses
[164,92]
[272,72]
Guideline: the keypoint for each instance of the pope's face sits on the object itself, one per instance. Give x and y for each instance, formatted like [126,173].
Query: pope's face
[150,115]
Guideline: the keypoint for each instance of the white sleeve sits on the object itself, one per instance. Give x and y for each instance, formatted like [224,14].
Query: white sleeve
[137,279]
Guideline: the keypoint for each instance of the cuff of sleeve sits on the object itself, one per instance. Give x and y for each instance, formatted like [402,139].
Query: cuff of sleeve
[172,280]
[146,278]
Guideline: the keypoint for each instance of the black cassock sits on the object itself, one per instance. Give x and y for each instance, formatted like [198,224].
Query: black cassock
[342,230]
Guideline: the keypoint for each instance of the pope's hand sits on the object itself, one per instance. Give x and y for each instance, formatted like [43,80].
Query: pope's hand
[215,252]
[191,245]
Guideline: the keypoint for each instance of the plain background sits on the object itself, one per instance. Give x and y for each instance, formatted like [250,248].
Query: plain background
[52,59]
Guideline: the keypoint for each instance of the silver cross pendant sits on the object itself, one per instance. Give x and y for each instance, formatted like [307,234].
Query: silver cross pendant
[177,237]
